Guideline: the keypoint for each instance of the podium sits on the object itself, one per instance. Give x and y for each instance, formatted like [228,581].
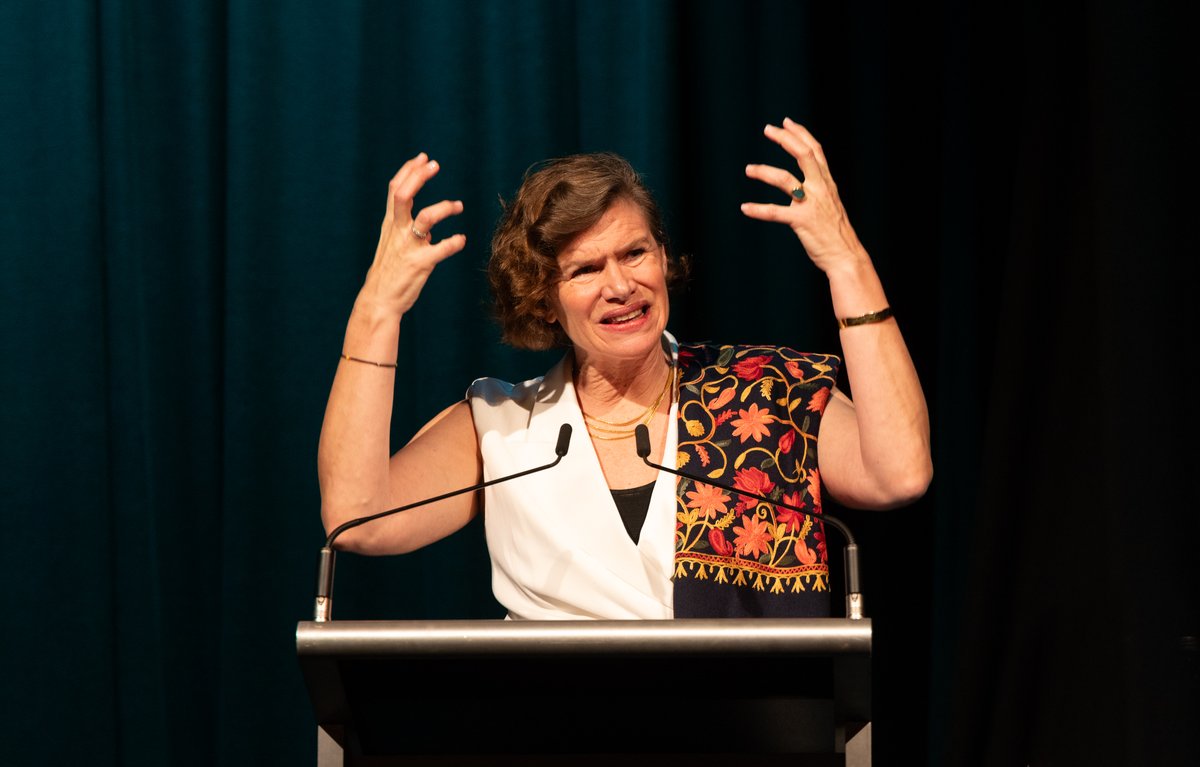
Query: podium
[686,692]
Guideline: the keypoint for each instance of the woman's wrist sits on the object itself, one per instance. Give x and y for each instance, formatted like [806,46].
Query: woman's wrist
[372,332]
[373,309]
[856,289]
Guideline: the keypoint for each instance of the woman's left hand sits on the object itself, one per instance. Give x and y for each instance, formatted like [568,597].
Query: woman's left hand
[814,211]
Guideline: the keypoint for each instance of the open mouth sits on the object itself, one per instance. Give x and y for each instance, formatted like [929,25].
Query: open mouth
[630,316]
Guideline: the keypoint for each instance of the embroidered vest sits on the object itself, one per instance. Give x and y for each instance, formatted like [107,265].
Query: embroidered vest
[748,419]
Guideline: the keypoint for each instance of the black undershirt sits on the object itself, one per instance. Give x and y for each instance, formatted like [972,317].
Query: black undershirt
[633,503]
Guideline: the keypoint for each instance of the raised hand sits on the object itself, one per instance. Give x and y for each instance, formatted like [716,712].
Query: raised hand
[407,253]
[813,211]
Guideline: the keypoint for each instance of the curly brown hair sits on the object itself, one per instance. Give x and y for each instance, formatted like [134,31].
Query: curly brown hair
[559,199]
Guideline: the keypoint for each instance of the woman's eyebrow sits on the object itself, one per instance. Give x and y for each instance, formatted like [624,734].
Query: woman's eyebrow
[641,242]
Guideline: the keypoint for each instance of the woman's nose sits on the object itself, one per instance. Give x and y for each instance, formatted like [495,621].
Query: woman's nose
[616,284]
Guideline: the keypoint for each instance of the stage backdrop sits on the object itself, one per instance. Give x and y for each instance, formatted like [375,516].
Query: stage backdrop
[192,193]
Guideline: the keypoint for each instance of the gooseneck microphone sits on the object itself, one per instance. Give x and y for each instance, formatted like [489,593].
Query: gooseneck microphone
[854,600]
[324,606]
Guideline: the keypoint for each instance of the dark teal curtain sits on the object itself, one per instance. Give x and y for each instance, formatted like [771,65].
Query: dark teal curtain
[192,193]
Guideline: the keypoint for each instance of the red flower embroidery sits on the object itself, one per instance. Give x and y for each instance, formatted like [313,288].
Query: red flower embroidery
[753,423]
[752,480]
[720,545]
[793,519]
[819,537]
[787,440]
[753,537]
[750,369]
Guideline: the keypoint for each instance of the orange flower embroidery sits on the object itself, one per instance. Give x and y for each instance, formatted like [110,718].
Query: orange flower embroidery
[804,553]
[753,537]
[820,399]
[708,500]
[753,423]
[721,399]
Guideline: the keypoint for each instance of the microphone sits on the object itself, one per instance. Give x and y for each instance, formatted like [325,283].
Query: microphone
[854,600]
[324,606]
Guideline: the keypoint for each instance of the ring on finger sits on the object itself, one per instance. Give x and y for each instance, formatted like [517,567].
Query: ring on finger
[798,192]
[418,233]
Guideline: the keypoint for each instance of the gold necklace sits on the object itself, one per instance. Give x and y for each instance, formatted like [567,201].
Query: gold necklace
[591,422]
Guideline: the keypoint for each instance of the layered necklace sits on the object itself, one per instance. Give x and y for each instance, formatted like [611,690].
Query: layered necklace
[608,430]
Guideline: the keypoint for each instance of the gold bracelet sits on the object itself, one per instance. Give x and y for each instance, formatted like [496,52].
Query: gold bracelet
[369,362]
[866,319]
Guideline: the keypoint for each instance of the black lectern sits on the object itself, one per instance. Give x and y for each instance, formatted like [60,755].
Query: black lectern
[686,692]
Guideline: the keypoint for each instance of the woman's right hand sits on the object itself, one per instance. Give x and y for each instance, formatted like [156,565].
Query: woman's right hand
[407,254]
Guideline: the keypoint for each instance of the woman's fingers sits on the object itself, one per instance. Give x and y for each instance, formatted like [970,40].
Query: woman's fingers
[431,216]
[403,188]
[407,252]
[766,212]
[802,134]
[402,231]
[795,139]
[785,182]
[815,214]
[413,176]
[776,177]
[443,249]
[398,206]
[794,145]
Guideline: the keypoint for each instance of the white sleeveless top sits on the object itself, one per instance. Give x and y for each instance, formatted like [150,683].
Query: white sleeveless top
[559,549]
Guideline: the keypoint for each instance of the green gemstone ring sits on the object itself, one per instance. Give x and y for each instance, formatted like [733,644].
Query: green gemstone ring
[798,192]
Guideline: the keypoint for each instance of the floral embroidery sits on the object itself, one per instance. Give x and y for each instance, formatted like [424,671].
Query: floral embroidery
[752,481]
[748,418]
[753,423]
[719,543]
[786,441]
[708,500]
[792,519]
[819,400]
[751,368]
[752,537]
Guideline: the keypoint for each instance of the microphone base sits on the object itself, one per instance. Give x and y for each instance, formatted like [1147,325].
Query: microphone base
[324,610]
[854,606]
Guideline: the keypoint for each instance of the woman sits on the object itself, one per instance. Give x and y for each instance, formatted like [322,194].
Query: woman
[580,259]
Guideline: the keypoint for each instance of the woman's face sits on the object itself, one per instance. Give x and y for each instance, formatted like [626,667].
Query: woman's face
[611,298]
